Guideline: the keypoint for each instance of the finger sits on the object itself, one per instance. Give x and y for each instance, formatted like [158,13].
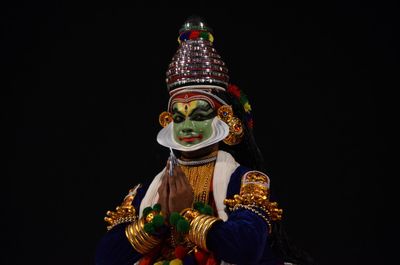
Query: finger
[172,184]
[166,172]
[167,167]
[185,189]
[183,180]
[164,182]
[162,192]
[178,173]
[163,196]
[180,177]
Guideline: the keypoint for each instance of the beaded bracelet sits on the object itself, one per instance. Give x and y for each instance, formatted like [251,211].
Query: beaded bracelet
[121,220]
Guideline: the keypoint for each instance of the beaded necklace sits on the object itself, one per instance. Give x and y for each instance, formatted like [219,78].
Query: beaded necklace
[199,174]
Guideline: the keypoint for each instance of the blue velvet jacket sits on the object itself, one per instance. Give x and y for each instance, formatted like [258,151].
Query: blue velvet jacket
[242,239]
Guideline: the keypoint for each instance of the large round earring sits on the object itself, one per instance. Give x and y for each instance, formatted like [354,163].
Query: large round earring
[165,118]
[236,133]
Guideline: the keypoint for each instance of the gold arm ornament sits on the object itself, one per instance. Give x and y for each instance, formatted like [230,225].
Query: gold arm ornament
[254,192]
[125,213]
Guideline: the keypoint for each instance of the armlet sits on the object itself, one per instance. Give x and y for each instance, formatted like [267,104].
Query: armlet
[254,194]
[125,212]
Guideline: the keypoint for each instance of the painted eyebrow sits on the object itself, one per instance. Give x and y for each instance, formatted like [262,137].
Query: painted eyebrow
[175,109]
[201,108]
[198,108]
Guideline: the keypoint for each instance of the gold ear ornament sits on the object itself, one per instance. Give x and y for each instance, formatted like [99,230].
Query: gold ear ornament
[236,133]
[165,118]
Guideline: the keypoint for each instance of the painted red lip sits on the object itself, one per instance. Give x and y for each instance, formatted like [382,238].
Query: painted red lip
[191,139]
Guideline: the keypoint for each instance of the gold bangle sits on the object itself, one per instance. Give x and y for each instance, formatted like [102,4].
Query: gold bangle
[136,243]
[139,233]
[129,232]
[147,238]
[199,228]
[134,240]
[141,241]
[193,229]
[207,226]
[143,238]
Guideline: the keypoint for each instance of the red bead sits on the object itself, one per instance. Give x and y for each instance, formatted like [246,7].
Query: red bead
[180,252]
[145,260]
[194,35]
[200,256]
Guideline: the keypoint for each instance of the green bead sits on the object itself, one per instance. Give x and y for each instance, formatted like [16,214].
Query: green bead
[243,99]
[198,205]
[149,228]
[157,207]
[158,221]
[204,35]
[207,209]
[147,210]
[174,218]
[182,226]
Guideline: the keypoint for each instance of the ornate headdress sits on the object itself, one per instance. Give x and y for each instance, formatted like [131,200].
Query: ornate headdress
[196,67]
[196,72]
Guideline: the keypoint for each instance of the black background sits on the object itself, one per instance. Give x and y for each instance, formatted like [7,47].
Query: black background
[84,84]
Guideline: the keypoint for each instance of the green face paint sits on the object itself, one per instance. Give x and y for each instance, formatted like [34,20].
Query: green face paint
[192,122]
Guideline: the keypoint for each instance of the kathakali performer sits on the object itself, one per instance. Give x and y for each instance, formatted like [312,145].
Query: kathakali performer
[211,203]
